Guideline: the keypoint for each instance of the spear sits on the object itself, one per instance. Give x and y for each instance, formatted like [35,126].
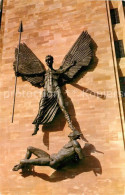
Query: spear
[20,30]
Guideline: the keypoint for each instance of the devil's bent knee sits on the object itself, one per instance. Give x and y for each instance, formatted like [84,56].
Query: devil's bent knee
[22,161]
[29,148]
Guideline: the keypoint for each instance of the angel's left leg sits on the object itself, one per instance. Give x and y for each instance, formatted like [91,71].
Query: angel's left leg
[62,107]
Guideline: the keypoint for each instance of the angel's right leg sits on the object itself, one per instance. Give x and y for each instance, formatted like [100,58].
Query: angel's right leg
[36,121]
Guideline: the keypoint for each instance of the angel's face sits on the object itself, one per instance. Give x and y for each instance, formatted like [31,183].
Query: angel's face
[49,61]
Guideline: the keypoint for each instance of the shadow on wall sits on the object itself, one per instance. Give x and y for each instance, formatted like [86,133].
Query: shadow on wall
[89,163]
[59,121]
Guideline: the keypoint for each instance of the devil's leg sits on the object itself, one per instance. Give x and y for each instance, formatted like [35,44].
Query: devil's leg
[37,152]
[42,160]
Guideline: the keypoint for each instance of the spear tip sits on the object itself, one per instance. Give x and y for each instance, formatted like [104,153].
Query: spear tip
[20,27]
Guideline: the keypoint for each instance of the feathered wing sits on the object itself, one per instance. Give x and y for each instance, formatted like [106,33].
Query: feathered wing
[30,68]
[80,54]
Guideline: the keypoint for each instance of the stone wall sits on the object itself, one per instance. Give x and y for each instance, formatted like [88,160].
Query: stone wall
[119,34]
[51,27]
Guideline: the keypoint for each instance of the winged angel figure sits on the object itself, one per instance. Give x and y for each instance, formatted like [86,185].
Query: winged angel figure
[30,68]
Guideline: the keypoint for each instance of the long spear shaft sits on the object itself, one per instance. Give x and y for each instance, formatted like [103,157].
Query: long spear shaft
[20,31]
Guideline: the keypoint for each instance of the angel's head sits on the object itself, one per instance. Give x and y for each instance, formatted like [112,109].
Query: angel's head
[49,61]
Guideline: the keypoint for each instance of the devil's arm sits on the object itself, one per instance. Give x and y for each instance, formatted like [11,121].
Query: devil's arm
[78,149]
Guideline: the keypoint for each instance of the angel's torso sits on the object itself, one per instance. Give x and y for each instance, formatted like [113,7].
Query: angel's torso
[51,81]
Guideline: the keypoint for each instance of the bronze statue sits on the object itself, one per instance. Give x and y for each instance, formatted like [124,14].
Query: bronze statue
[72,151]
[31,69]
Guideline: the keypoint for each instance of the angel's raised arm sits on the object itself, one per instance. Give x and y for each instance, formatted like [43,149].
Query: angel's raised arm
[64,69]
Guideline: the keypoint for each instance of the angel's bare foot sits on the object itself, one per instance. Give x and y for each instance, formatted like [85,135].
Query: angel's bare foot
[83,138]
[81,135]
[35,130]
[16,167]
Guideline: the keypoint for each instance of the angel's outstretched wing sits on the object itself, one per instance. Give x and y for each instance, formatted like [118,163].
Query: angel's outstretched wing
[30,68]
[80,54]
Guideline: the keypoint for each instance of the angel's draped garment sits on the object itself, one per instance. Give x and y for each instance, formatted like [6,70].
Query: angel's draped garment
[48,105]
